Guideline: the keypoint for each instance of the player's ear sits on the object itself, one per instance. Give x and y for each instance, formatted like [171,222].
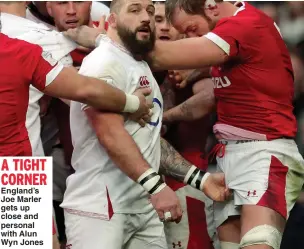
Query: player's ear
[48,8]
[212,11]
[112,20]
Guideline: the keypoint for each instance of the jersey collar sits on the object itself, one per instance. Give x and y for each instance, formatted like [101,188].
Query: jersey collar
[241,6]
[107,39]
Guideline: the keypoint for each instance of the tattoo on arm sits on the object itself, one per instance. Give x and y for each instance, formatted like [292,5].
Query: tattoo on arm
[172,163]
[186,110]
[168,95]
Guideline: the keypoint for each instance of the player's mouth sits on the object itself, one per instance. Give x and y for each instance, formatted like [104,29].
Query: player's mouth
[164,38]
[144,30]
[72,23]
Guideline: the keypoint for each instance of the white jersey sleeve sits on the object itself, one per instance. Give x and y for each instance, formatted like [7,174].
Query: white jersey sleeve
[105,68]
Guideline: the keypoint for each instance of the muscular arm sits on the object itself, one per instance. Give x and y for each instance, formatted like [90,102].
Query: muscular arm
[168,95]
[196,107]
[172,163]
[186,54]
[71,85]
[120,146]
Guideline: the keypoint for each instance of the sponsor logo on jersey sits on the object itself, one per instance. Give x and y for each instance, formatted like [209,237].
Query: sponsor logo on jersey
[221,82]
[143,82]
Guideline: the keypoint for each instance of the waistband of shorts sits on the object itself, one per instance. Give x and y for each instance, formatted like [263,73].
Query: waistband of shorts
[281,142]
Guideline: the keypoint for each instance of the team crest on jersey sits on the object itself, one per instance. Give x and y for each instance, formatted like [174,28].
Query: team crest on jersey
[49,58]
[143,82]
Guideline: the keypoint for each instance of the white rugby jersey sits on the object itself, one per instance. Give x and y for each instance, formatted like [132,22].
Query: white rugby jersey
[98,185]
[51,41]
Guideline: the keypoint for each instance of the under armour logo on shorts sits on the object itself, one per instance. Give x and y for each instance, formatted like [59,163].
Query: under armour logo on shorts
[252,193]
[178,245]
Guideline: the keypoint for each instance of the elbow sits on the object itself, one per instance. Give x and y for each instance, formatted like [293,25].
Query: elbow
[205,108]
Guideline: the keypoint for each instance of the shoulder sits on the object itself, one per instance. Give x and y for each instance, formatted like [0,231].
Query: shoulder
[19,48]
[103,61]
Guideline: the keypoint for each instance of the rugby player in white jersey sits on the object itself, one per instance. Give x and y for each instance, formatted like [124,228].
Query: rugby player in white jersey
[116,198]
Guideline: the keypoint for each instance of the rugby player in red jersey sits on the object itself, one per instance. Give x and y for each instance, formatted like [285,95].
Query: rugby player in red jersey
[253,87]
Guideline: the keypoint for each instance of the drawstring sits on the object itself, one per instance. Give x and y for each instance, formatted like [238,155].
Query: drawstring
[218,150]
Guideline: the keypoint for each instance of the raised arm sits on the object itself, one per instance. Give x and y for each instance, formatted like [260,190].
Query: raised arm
[187,53]
[68,84]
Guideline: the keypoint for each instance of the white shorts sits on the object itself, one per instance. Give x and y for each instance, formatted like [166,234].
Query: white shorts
[197,228]
[264,173]
[61,172]
[123,231]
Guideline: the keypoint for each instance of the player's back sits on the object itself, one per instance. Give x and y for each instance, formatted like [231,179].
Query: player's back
[96,173]
[254,88]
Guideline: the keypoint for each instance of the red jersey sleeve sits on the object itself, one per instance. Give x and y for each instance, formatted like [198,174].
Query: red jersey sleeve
[46,70]
[228,36]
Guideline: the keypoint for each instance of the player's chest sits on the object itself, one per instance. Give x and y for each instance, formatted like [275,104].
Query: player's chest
[226,80]
[142,78]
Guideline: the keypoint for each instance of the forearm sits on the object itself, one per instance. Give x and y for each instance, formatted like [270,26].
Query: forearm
[172,164]
[190,53]
[123,151]
[168,94]
[99,94]
[192,109]
[94,92]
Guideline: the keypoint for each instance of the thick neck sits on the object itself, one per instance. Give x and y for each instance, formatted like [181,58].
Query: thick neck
[112,34]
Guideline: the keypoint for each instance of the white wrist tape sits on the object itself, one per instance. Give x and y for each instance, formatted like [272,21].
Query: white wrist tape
[132,103]
[196,178]
[151,182]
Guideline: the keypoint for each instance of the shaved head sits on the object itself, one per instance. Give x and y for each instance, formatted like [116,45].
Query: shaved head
[116,6]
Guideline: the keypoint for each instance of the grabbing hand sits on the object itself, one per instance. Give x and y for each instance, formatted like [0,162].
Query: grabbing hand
[167,205]
[215,187]
[144,112]
[179,77]
[86,36]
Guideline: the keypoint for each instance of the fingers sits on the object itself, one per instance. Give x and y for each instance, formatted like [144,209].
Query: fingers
[147,118]
[183,84]
[179,213]
[102,24]
[142,122]
[228,194]
[161,215]
[145,91]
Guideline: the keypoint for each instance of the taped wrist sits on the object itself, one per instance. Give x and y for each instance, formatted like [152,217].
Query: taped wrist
[196,178]
[151,182]
[132,103]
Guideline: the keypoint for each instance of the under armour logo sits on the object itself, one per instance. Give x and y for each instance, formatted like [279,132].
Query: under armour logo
[251,194]
[143,81]
[179,244]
